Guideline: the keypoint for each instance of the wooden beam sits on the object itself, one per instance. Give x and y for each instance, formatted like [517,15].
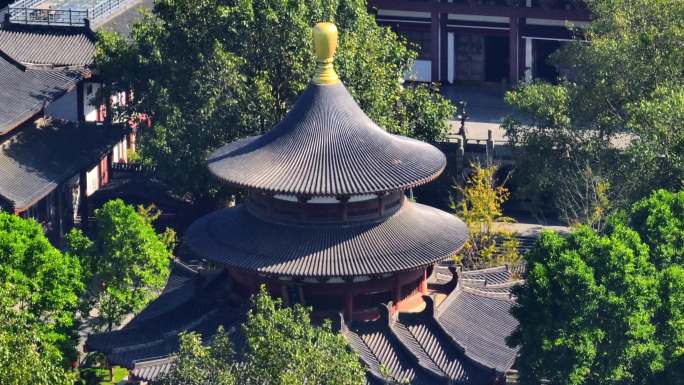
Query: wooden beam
[434,46]
[83,198]
[513,51]
[443,49]
[81,101]
[483,10]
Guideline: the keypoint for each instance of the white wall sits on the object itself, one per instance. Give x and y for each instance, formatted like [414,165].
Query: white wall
[93,180]
[119,151]
[65,107]
[90,109]
[451,59]
[421,71]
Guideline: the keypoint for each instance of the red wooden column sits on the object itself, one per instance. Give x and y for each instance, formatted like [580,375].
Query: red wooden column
[423,283]
[514,48]
[396,294]
[348,305]
[434,45]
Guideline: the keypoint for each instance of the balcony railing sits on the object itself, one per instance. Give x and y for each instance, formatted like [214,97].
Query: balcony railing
[68,17]
[36,12]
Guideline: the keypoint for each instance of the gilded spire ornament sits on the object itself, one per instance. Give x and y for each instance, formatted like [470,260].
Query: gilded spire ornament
[325,43]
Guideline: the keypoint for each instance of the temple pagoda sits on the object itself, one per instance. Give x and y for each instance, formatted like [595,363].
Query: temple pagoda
[326,223]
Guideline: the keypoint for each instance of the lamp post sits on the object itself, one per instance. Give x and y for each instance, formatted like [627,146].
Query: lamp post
[462,116]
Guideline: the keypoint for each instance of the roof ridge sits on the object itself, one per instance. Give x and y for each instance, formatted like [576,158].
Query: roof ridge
[418,360]
[500,268]
[489,294]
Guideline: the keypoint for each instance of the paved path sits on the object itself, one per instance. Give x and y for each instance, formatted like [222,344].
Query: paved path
[485,108]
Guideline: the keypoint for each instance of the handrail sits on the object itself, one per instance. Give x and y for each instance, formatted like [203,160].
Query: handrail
[26,12]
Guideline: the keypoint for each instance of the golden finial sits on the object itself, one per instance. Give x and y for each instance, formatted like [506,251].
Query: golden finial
[325,43]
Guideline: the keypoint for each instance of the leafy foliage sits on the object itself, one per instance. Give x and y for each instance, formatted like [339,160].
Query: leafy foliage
[197,364]
[282,347]
[128,261]
[26,357]
[617,110]
[604,308]
[40,282]
[659,219]
[489,244]
[241,72]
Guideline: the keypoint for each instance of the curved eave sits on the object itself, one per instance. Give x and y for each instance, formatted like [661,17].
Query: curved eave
[327,146]
[270,189]
[414,237]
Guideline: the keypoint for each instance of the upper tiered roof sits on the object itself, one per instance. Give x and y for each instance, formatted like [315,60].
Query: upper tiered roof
[326,145]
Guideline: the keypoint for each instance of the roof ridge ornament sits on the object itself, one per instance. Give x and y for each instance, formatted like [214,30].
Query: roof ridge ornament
[325,44]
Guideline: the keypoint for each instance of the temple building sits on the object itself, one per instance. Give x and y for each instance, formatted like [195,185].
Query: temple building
[479,41]
[326,223]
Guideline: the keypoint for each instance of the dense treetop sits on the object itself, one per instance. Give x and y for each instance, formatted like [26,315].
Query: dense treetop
[127,262]
[26,357]
[43,284]
[606,308]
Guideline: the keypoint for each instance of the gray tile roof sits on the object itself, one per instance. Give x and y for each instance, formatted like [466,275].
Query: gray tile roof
[146,345]
[34,161]
[327,146]
[26,91]
[415,236]
[434,349]
[378,346]
[422,348]
[478,318]
[55,47]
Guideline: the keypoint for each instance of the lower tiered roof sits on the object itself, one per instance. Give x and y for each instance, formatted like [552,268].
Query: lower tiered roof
[458,341]
[415,236]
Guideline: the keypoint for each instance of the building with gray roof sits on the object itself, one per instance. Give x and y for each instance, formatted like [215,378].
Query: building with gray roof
[326,223]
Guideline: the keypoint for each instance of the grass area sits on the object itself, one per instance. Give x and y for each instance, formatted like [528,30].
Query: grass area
[100,376]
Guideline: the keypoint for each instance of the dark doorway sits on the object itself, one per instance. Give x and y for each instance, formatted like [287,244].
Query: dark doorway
[543,68]
[496,58]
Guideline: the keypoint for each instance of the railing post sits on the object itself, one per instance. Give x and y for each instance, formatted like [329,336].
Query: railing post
[25,15]
[70,23]
[490,148]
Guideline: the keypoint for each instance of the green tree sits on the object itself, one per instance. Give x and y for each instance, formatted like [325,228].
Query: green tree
[617,109]
[241,72]
[26,357]
[282,347]
[128,262]
[670,321]
[606,308]
[198,364]
[489,244]
[41,282]
[659,220]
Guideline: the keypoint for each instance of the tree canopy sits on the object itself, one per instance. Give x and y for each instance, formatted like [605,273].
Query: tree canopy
[127,263]
[281,348]
[26,357]
[41,283]
[243,69]
[605,308]
[617,110]
[489,243]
